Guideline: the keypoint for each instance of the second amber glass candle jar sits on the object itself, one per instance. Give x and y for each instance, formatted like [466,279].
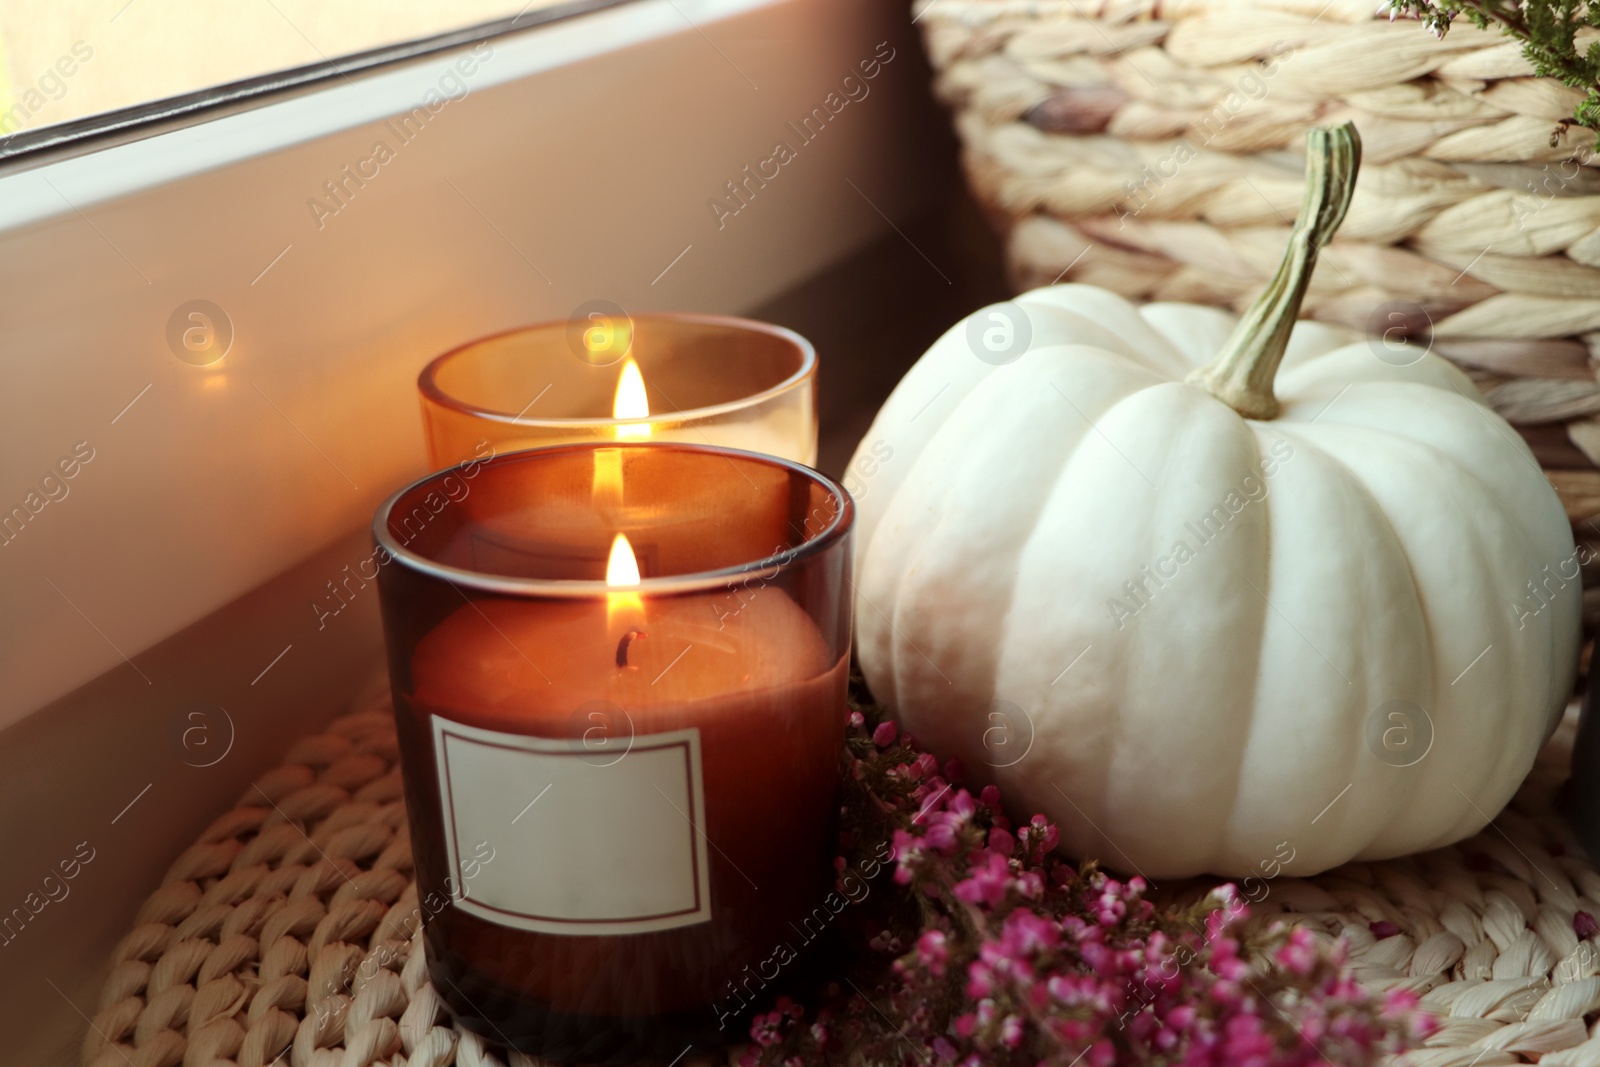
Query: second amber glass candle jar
[619,682]
[706,379]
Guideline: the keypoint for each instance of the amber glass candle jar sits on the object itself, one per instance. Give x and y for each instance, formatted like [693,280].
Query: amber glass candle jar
[606,376]
[619,678]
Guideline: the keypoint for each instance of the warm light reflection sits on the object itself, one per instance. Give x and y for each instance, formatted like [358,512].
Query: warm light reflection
[622,569]
[607,477]
[607,338]
[631,403]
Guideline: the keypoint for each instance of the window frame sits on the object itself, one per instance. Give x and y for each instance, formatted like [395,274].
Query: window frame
[93,132]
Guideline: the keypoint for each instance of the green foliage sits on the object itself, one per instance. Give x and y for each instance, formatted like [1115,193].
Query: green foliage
[1548,31]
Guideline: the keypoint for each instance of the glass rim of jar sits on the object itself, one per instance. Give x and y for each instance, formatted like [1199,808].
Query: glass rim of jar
[666,585]
[428,384]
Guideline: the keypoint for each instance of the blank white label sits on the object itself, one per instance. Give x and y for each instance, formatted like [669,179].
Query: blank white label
[580,844]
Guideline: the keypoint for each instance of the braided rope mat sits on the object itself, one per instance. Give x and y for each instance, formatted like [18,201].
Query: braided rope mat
[1151,147]
[288,933]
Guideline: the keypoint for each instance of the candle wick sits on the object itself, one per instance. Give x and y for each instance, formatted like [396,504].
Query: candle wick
[622,647]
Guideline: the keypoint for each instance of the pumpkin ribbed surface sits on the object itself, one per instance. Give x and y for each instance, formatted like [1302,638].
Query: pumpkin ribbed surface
[1204,622]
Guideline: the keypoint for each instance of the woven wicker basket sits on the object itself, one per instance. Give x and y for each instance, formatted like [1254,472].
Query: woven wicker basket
[288,934]
[1153,148]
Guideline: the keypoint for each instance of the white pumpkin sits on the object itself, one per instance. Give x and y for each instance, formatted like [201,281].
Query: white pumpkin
[1201,641]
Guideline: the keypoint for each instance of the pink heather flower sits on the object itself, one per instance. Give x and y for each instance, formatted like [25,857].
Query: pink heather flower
[1111,907]
[980,981]
[1029,934]
[1063,988]
[1220,922]
[1227,994]
[961,803]
[1399,1002]
[1584,925]
[1247,1043]
[931,951]
[764,1031]
[927,796]
[1298,955]
[1383,928]
[1225,960]
[1044,832]
[988,882]
[1002,955]
[941,837]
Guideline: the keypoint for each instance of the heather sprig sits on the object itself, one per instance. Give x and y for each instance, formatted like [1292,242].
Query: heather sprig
[1548,31]
[989,948]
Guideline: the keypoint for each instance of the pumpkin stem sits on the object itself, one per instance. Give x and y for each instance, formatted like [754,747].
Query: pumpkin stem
[1241,374]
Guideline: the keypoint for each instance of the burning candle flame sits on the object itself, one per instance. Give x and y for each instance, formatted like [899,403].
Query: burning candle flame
[631,403]
[622,570]
[623,566]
